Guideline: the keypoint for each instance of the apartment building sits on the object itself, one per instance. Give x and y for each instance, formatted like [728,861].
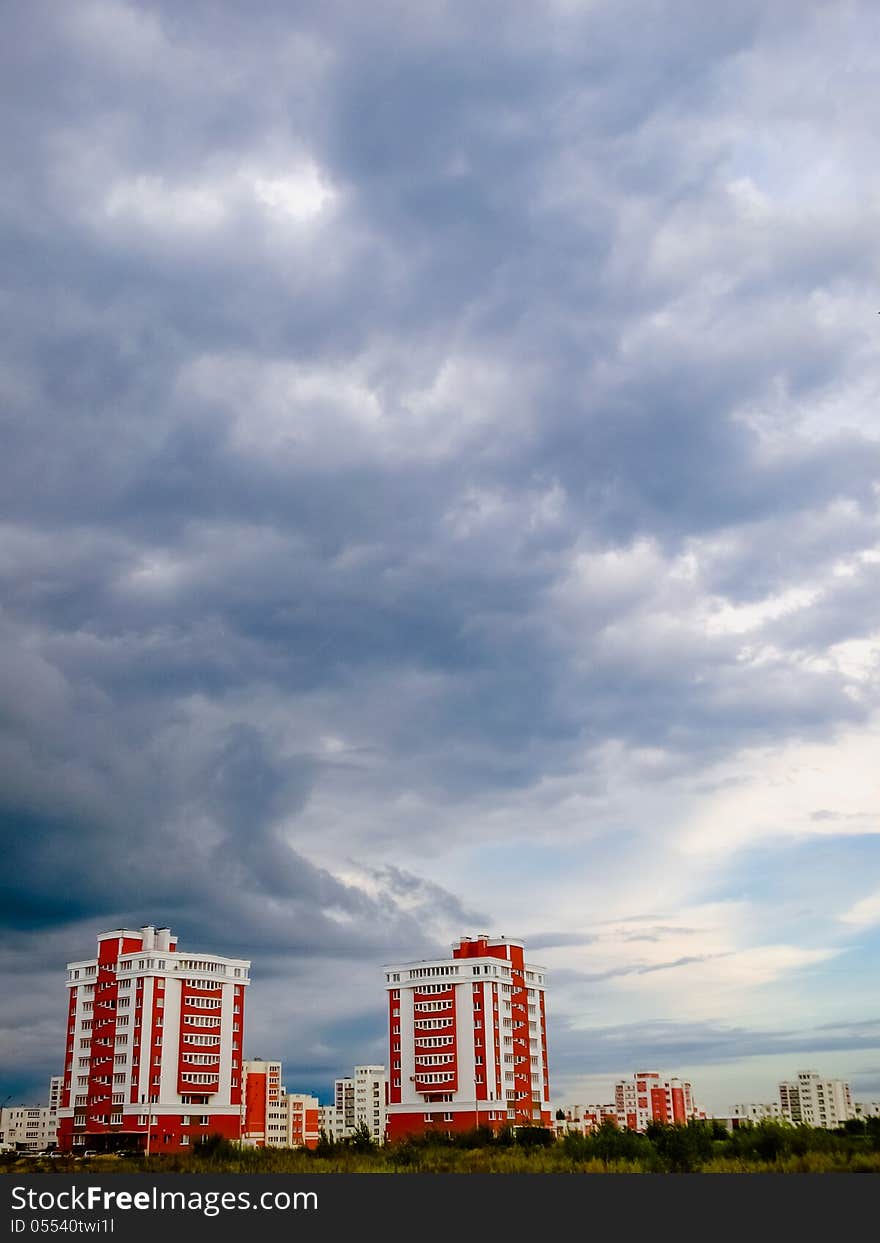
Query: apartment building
[303,1123]
[648,1098]
[358,1100]
[264,1105]
[154,1039]
[582,1119]
[815,1101]
[27,1128]
[32,1128]
[755,1111]
[272,1117]
[467,1040]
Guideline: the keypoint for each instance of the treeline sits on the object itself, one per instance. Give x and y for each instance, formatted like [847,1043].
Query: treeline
[700,1147]
[709,1145]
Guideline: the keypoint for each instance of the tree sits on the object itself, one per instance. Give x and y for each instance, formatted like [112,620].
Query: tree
[326,1145]
[361,1139]
[683,1148]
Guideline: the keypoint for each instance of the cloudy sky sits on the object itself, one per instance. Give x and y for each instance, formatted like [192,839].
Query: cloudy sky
[440,495]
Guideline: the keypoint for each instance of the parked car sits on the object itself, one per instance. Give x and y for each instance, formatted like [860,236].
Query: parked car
[90,1152]
[56,1154]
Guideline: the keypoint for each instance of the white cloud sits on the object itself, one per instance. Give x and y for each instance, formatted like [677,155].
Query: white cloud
[864,913]
[299,195]
[794,791]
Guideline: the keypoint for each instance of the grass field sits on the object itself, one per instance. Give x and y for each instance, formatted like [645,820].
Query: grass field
[699,1148]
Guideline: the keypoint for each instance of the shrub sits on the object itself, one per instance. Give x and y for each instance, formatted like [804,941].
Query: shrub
[534,1137]
[215,1147]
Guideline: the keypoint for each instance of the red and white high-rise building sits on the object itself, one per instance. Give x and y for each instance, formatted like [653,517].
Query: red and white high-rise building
[648,1098]
[154,1040]
[467,1041]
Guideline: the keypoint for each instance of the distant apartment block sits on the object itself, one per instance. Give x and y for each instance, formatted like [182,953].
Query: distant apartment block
[264,1108]
[25,1128]
[816,1101]
[32,1128]
[303,1126]
[331,1123]
[648,1098]
[271,1116]
[358,1100]
[56,1085]
[467,1040]
[154,1040]
[867,1109]
[583,1119]
[755,1111]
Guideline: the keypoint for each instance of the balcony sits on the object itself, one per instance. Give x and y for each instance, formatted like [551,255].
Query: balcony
[434,1080]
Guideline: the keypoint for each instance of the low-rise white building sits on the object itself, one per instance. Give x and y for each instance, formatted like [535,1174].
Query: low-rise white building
[867,1109]
[756,1111]
[28,1128]
[582,1119]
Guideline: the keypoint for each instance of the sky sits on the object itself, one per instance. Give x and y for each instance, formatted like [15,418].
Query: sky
[441,495]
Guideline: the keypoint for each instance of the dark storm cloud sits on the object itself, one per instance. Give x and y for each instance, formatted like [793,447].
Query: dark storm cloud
[613,1049]
[297,497]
